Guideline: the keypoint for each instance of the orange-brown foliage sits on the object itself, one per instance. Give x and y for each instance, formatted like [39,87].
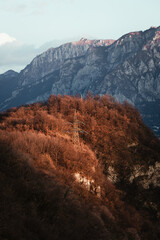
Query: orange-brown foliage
[38,153]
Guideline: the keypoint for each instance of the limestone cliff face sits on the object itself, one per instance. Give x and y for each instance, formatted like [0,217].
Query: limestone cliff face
[138,77]
[52,59]
[127,69]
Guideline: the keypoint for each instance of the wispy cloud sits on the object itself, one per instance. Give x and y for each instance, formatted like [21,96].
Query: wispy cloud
[19,7]
[15,55]
[16,7]
[29,6]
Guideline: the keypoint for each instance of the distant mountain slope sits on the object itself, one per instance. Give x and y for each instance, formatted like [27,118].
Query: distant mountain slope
[8,82]
[54,58]
[128,69]
[104,186]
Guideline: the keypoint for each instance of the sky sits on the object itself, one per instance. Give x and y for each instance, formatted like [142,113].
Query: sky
[29,27]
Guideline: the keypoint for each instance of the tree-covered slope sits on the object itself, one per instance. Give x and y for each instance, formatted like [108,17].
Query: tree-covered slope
[104,186]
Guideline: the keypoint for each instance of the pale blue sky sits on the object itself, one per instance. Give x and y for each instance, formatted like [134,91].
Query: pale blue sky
[35,22]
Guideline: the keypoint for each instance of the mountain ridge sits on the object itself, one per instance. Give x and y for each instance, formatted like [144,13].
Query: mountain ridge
[127,68]
[56,56]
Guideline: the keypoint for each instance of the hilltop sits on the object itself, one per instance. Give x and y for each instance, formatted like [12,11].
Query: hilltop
[103,186]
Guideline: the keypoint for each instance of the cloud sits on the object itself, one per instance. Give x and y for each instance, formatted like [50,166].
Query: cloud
[15,55]
[29,6]
[5,38]
[16,7]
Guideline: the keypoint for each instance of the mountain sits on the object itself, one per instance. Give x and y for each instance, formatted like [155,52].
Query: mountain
[8,82]
[54,58]
[128,69]
[75,168]
[30,83]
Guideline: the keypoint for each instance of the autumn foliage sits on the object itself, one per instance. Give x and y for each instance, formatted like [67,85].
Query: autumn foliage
[38,160]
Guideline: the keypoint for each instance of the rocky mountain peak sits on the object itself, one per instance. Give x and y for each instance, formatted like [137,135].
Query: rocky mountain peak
[10,73]
[94,42]
[83,39]
[53,58]
[140,36]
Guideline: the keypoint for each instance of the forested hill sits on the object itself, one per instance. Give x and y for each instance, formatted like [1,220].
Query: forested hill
[74,168]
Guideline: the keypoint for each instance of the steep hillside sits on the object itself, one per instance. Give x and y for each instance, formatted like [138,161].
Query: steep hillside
[78,168]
